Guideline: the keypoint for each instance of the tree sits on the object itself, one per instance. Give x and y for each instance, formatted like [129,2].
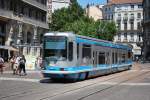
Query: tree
[106,30]
[74,19]
[66,15]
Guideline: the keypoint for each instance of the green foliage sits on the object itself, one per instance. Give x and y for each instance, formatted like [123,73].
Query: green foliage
[73,19]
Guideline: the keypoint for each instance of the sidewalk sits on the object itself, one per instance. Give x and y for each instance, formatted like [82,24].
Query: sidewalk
[31,74]
[7,68]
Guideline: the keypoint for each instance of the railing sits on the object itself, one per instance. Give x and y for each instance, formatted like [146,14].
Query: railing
[35,22]
[11,15]
[125,40]
[6,13]
[131,18]
[118,18]
[37,4]
[125,18]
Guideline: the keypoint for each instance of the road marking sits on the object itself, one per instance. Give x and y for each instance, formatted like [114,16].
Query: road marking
[20,79]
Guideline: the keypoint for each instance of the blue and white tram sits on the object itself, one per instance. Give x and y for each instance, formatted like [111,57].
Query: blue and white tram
[70,56]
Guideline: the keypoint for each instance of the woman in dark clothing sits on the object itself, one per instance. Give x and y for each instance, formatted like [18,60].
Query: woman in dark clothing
[22,65]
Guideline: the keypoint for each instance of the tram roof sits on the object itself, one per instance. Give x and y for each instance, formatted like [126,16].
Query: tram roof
[105,43]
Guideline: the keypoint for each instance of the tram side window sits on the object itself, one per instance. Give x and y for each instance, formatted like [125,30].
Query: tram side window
[101,58]
[86,53]
[123,58]
[113,60]
[77,50]
[129,55]
[107,58]
[116,57]
[70,55]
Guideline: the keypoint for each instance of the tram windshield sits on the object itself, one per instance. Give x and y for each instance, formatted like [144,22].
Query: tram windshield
[55,48]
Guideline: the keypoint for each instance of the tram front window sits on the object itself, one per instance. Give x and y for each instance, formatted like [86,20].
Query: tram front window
[55,48]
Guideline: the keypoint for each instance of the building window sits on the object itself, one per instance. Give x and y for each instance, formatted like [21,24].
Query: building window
[132,36]
[132,25]
[138,15]
[118,8]
[119,36]
[139,38]
[125,36]
[125,18]
[132,7]
[112,16]
[119,15]
[140,6]
[125,26]
[138,25]
[119,26]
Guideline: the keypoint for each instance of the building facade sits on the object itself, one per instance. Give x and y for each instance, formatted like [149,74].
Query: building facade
[128,16]
[53,5]
[146,29]
[22,24]
[95,12]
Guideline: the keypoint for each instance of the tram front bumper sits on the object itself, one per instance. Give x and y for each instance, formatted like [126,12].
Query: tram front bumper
[60,74]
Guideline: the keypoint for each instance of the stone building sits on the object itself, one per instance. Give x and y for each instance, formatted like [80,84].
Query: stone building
[128,16]
[95,12]
[53,5]
[22,24]
[146,29]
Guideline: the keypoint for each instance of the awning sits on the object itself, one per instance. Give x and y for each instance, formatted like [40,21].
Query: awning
[8,48]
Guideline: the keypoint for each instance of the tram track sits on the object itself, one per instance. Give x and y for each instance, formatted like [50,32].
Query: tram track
[112,86]
[98,91]
[69,87]
[34,90]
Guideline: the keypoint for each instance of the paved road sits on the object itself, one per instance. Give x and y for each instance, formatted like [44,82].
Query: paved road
[128,85]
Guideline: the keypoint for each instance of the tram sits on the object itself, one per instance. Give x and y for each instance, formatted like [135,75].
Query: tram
[75,57]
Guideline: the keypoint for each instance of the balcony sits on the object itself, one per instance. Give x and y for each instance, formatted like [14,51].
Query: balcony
[125,40]
[29,20]
[125,19]
[118,19]
[11,15]
[6,14]
[131,18]
[35,22]
[36,4]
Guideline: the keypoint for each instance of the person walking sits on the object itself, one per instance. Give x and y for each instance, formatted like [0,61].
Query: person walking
[12,62]
[38,62]
[16,65]
[22,62]
[1,64]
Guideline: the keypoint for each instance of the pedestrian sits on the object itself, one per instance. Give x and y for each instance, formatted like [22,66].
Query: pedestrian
[22,62]
[12,62]
[1,64]
[16,65]
[38,62]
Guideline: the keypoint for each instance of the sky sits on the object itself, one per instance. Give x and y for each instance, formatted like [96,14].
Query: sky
[83,3]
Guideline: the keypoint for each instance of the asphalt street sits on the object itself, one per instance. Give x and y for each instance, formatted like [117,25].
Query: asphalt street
[133,84]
